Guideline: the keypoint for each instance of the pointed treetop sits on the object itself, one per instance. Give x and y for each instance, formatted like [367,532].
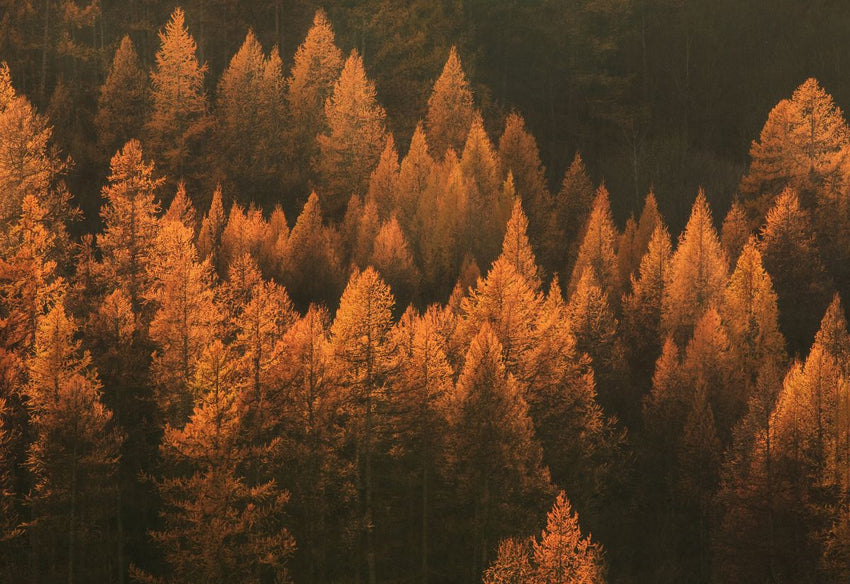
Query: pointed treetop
[7,90]
[516,249]
[450,108]
[833,336]
[316,66]
[383,183]
[735,231]
[597,250]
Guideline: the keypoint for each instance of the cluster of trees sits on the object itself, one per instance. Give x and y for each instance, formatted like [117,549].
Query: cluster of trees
[439,350]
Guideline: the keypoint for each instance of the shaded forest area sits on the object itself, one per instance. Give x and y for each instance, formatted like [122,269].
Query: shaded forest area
[256,328]
[660,93]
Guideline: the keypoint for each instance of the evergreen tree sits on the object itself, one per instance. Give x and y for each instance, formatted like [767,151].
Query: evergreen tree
[130,221]
[392,258]
[735,232]
[351,144]
[697,275]
[178,124]
[517,250]
[383,184]
[450,108]
[181,209]
[414,180]
[122,104]
[212,229]
[571,209]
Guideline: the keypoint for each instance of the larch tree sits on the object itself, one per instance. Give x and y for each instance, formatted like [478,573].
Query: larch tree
[212,229]
[791,257]
[750,312]
[495,460]
[642,307]
[74,452]
[512,564]
[598,250]
[130,221]
[217,524]
[392,257]
[571,208]
[801,146]
[650,219]
[383,184]
[185,318]
[520,156]
[423,384]
[313,468]
[361,342]
[488,204]
[316,66]
[450,108]
[311,269]
[354,136]
[516,248]
[628,257]
[697,276]
[181,209]
[122,104]
[30,164]
[414,181]
[735,232]
[179,120]
[245,232]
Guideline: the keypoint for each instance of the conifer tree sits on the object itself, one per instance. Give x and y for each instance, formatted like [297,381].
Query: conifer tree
[311,270]
[130,221]
[697,275]
[735,231]
[314,471]
[123,100]
[73,455]
[179,121]
[519,155]
[571,209]
[354,136]
[212,229]
[450,108]
[650,218]
[800,146]
[495,460]
[517,250]
[383,184]
[512,564]
[414,179]
[185,320]
[628,258]
[316,66]
[216,523]
[642,307]
[30,165]
[792,259]
[245,232]
[181,209]
[598,249]
[392,258]
[360,338]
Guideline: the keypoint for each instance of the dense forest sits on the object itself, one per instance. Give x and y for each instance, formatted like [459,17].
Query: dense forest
[256,328]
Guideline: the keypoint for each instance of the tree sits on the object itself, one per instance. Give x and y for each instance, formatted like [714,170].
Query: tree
[697,275]
[495,460]
[519,156]
[598,249]
[801,146]
[245,232]
[571,209]
[414,179]
[130,221]
[735,232]
[74,452]
[517,250]
[181,209]
[185,318]
[311,269]
[450,108]
[383,184]
[316,66]
[179,121]
[792,259]
[643,306]
[212,230]
[392,258]
[360,338]
[216,523]
[30,164]
[122,104]
[351,143]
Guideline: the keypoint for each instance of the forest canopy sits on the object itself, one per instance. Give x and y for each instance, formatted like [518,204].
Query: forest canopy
[374,293]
